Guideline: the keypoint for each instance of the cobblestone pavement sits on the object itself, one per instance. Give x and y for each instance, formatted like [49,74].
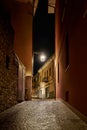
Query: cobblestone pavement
[40,115]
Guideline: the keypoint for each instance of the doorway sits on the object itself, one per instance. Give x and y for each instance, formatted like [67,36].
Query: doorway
[47,92]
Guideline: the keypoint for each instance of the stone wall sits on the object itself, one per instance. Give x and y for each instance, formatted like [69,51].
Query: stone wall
[8,64]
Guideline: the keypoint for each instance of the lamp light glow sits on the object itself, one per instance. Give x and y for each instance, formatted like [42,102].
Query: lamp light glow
[42,57]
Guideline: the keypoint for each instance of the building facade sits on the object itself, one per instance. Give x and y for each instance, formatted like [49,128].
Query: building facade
[8,64]
[21,20]
[71,52]
[16,21]
[44,80]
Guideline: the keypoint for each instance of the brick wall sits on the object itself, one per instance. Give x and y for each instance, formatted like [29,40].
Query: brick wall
[8,64]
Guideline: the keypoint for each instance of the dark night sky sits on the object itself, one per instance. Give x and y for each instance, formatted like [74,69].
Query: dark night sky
[43,33]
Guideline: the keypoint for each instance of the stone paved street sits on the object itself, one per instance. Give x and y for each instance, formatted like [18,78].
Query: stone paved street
[41,115]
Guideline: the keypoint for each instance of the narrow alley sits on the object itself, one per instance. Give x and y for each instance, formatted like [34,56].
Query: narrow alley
[55,30]
[41,115]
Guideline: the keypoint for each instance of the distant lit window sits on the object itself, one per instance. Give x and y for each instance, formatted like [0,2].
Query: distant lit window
[44,74]
[36,78]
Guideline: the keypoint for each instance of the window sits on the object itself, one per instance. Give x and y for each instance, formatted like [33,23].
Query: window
[36,79]
[44,74]
[47,92]
[67,96]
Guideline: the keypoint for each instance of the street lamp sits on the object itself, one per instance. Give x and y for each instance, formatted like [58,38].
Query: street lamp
[42,57]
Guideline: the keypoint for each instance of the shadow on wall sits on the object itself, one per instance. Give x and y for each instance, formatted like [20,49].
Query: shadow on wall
[8,64]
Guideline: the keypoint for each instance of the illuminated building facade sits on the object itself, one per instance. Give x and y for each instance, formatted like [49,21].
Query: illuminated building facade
[44,80]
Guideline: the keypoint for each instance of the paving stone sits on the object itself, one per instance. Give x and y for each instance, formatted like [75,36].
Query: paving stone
[41,115]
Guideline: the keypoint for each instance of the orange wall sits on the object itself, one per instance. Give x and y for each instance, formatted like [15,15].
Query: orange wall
[57,35]
[22,24]
[74,78]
